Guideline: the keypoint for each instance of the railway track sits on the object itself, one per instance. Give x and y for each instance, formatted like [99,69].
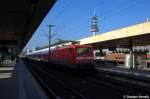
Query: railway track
[132,85]
[118,86]
[96,85]
[84,83]
[55,88]
[86,89]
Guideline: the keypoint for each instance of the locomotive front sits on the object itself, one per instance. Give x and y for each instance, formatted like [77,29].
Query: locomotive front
[84,56]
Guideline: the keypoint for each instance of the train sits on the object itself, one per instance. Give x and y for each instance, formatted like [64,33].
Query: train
[68,54]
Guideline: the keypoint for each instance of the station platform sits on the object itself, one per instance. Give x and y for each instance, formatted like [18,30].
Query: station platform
[16,82]
[122,71]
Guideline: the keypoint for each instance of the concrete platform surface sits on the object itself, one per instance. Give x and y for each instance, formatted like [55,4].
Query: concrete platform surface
[16,82]
[142,74]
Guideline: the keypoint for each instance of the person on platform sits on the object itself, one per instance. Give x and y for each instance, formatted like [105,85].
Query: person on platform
[17,59]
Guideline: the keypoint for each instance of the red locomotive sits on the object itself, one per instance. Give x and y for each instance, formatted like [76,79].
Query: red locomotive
[67,54]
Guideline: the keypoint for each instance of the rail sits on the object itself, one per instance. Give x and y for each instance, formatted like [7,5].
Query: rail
[59,90]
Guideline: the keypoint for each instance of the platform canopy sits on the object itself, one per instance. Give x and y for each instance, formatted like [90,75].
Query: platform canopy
[19,19]
[134,35]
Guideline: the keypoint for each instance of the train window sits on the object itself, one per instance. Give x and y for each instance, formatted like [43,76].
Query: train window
[84,50]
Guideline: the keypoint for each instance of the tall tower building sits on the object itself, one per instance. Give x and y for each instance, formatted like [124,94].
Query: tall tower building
[94,27]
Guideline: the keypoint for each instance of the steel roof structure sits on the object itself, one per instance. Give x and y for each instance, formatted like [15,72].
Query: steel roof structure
[135,35]
[19,19]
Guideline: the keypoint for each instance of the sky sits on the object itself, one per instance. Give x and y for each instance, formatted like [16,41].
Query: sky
[72,19]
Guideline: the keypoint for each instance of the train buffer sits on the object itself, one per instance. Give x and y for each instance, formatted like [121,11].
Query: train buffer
[16,82]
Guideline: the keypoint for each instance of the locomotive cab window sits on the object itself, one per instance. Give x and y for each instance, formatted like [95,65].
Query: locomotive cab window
[84,50]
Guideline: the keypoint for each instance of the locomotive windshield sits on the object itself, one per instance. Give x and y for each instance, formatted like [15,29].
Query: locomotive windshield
[84,50]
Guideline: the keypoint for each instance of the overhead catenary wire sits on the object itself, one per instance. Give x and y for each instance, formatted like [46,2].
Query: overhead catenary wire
[56,17]
[124,9]
[112,12]
[118,9]
[58,30]
[121,8]
[61,11]
[118,6]
[67,5]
